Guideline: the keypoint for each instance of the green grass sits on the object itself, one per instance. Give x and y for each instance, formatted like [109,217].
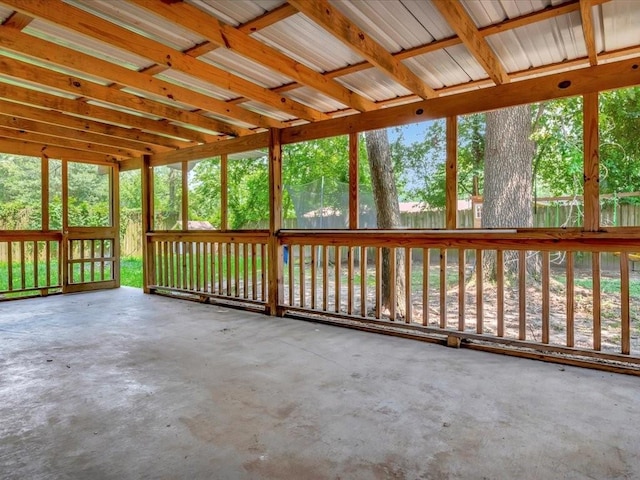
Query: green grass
[608,285]
[131,272]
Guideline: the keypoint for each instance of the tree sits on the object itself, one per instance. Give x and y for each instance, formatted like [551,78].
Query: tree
[385,196]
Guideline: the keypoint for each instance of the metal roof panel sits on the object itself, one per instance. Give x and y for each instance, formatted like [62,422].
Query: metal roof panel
[236,12]
[314,99]
[373,84]
[243,67]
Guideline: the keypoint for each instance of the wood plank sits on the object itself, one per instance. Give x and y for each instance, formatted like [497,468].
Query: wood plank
[479,293]
[254,272]
[608,76]
[461,289]
[500,291]
[325,278]
[625,316]
[225,36]
[23,272]
[10,266]
[392,287]
[586,15]
[443,288]
[595,294]
[29,149]
[522,295]
[35,264]
[245,270]
[236,257]
[85,23]
[147,221]
[66,252]
[426,263]
[337,277]
[570,291]
[68,58]
[407,285]
[267,19]
[451,176]
[363,281]
[302,287]
[461,23]
[221,249]
[44,191]
[332,20]
[545,296]
[314,273]
[378,283]
[276,293]
[354,182]
[90,90]
[224,192]
[591,163]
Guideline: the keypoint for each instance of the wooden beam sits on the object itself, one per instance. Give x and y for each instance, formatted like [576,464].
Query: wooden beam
[567,84]
[144,81]
[329,18]
[586,15]
[83,109]
[236,145]
[224,192]
[276,15]
[226,36]
[54,140]
[29,149]
[147,222]
[591,163]
[83,22]
[451,176]
[126,148]
[276,278]
[84,88]
[354,183]
[461,23]
[149,142]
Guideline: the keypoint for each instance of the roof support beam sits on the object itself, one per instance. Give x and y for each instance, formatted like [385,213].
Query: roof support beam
[83,22]
[80,87]
[282,12]
[71,59]
[461,23]
[329,18]
[586,14]
[226,36]
[29,149]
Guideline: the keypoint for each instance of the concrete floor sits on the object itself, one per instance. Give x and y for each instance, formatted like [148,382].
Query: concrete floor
[121,385]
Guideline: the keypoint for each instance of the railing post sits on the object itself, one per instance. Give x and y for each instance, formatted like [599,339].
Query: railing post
[275,223]
[451,177]
[591,163]
[147,215]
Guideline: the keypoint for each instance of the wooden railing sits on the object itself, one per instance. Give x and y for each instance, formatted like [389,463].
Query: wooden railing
[30,263]
[489,290]
[91,260]
[210,265]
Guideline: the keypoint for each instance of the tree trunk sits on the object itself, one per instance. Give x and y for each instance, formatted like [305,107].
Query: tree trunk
[385,196]
[508,176]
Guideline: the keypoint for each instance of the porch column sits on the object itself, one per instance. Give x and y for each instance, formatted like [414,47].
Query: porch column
[591,163]
[451,178]
[147,216]
[275,223]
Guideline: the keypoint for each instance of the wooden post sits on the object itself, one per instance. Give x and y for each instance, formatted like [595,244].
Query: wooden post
[64,245]
[275,223]
[115,222]
[147,224]
[591,163]
[451,182]
[184,213]
[44,176]
[354,200]
[224,198]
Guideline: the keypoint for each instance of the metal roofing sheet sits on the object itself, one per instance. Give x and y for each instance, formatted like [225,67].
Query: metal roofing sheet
[195,84]
[140,21]
[236,12]
[85,44]
[489,12]
[309,44]
[231,121]
[267,110]
[621,24]
[374,84]
[243,67]
[123,109]
[391,24]
[4,13]
[314,99]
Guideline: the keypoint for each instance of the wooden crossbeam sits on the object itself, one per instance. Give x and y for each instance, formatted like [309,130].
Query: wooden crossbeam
[586,15]
[226,36]
[83,22]
[332,20]
[461,23]
[16,147]
[282,12]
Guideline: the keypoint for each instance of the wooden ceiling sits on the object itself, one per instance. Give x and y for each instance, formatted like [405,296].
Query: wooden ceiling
[91,80]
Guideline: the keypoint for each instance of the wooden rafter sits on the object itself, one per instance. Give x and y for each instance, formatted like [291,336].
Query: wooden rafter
[461,23]
[54,140]
[80,87]
[17,147]
[83,22]
[13,40]
[282,12]
[586,15]
[329,18]
[226,36]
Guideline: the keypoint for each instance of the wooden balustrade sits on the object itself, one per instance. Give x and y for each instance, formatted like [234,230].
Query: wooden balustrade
[30,264]
[510,288]
[213,265]
[90,260]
